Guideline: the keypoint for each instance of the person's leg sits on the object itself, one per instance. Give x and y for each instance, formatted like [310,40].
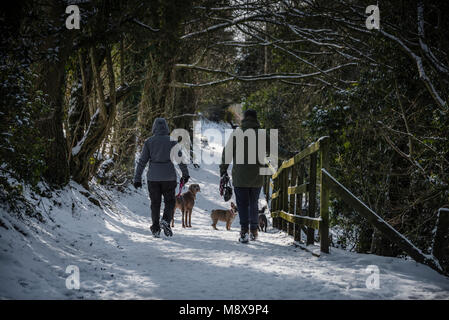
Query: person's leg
[242,199]
[254,208]
[168,191]
[154,189]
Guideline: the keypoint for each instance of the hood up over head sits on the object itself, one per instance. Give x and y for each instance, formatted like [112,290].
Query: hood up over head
[160,127]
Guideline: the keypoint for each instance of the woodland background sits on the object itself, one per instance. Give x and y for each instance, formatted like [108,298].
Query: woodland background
[78,104]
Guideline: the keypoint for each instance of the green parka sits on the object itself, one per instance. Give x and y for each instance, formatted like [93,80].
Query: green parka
[246,174]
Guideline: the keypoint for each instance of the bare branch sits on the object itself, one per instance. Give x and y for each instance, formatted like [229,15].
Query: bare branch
[144,25]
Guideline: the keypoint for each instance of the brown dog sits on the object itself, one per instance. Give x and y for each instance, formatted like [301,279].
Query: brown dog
[224,215]
[185,203]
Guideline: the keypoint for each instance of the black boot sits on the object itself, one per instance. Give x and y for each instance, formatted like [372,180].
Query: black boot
[244,236]
[253,234]
[155,231]
[166,227]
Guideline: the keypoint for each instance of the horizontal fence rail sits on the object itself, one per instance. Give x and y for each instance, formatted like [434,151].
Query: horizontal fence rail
[377,222]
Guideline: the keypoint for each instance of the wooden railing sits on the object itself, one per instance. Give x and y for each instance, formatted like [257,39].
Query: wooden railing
[288,188]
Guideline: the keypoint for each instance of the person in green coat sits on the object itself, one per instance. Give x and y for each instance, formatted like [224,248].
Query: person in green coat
[246,177]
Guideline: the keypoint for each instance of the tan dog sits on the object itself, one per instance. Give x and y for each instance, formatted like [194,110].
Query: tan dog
[224,215]
[185,203]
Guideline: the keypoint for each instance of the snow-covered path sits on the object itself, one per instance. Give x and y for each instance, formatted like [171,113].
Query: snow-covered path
[119,259]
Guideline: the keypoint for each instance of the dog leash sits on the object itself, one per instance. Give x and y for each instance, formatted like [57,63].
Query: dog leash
[181,185]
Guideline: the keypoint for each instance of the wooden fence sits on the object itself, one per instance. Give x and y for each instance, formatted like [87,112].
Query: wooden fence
[294,184]
[294,205]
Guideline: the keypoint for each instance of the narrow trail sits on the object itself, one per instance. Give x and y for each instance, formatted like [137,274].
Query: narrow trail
[118,258]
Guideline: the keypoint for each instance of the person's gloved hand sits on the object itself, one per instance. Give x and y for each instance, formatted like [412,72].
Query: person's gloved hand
[137,184]
[224,179]
[184,179]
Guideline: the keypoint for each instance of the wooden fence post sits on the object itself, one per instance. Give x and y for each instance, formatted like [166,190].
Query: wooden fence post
[285,198]
[324,197]
[312,196]
[274,204]
[440,249]
[278,201]
[291,207]
[300,180]
[267,189]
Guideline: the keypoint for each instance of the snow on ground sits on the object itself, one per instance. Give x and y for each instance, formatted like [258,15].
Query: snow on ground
[118,258]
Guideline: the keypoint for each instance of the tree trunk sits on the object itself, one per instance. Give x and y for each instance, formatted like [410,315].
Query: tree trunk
[51,81]
[78,115]
[99,126]
[157,96]
[155,100]
[81,165]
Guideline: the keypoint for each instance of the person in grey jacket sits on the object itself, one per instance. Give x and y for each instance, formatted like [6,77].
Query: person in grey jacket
[161,176]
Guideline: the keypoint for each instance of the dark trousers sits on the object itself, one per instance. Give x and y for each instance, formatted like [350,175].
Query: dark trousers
[157,190]
[247,203]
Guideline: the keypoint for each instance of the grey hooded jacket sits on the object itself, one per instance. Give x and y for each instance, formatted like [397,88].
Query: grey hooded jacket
[156,150]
